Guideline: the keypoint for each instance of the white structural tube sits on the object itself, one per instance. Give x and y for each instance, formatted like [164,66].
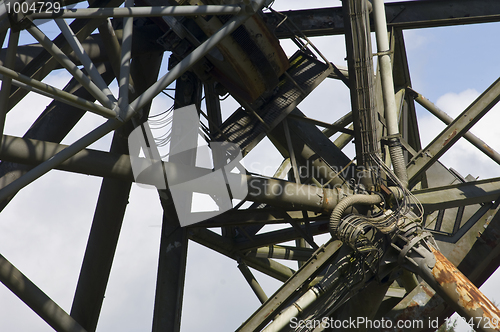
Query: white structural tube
[294,310]
[391,111]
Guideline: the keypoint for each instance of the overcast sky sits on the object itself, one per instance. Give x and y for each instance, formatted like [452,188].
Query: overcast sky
[44,230]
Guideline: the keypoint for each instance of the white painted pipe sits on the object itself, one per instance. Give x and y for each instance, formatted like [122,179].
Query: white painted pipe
[391,110]
[284,319]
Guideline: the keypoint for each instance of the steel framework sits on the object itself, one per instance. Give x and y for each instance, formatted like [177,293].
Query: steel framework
[404,227]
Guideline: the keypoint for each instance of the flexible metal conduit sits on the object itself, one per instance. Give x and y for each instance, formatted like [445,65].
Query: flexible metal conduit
[391,111]
[339,210]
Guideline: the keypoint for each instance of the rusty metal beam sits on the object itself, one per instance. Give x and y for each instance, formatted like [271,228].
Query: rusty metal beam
[477,257]
[470,301]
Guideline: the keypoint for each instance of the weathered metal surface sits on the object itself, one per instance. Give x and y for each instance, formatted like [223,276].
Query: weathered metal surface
[470,300]
[476,254]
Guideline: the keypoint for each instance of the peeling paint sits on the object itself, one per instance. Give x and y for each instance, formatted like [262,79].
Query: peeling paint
[462,291]
[453,134]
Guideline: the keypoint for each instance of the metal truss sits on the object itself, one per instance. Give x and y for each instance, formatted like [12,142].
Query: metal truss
[339,275]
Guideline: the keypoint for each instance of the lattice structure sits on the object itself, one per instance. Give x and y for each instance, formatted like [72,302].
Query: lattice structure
[406,231]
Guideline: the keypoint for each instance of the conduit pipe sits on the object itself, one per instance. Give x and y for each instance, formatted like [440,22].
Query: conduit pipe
[344,204]
[391,111]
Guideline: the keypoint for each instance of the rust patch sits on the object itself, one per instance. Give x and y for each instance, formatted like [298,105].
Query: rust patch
[453,134]
[462,290]
[429,292]
[490,150]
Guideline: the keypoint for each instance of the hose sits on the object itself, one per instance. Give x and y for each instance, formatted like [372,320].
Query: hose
[339,210]
[398,161]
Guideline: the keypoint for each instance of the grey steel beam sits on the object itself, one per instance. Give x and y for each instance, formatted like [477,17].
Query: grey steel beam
[44,63]
[289,290]
[462,194]
[56,93]
[344,139]
[84,59]
[401,72]
[112,47]
[118,166]
[136,105]
[280,236]
[407,15]
[174,238]
[331,127]
[361,78]
[224,246]
[154,11]
[342,122]
[445,140]
[62,58]
[444,117]
[37,300]
[254,284]
[52,125]
[125,56]
[276,192]
[243,217]
[6,83]
[109,213]
[144,41]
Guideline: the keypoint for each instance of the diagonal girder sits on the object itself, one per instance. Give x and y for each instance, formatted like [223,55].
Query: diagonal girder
[455,130]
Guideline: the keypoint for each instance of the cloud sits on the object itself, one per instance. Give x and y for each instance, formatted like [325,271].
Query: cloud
[463,156]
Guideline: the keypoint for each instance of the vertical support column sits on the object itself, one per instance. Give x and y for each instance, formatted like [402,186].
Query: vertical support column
[7,82]
[174,240]
[108,217]
[361,77]
[214,114]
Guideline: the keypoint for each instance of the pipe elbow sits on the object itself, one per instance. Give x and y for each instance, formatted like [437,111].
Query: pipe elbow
[339,210]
